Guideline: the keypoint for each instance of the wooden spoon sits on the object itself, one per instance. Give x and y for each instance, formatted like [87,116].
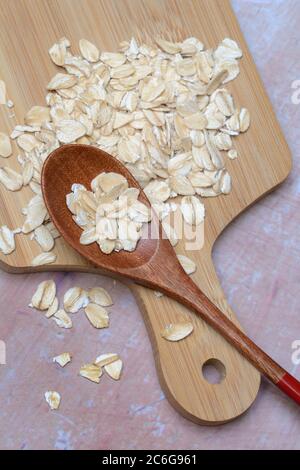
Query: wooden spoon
[154,263]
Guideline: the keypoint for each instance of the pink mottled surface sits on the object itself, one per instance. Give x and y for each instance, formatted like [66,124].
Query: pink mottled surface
[258,260]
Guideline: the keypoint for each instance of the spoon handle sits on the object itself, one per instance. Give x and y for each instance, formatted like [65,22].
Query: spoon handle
[186,292]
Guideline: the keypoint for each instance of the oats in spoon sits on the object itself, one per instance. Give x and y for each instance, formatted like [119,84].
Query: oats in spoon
[110,214]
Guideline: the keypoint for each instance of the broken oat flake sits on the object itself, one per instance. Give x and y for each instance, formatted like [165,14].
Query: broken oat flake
[114,369]
[62,359]
[158,294]
[232,154]
[177,331]
[75,298]
[53,399]
[105,359]
[188,265]
[62,319]
[91,372]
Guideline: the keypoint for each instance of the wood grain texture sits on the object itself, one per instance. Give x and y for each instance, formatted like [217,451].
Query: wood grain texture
[263,164]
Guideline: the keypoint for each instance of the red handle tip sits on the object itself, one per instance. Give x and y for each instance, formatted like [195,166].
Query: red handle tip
[290,386]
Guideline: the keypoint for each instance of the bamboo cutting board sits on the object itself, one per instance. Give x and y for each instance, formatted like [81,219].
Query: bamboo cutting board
[28,29]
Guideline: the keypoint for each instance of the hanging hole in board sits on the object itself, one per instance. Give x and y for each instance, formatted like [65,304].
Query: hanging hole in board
[213,371]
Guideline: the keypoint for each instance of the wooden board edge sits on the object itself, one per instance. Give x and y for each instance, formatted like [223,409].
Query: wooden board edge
[252,203]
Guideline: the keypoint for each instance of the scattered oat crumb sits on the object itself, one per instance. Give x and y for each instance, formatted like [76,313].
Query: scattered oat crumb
[9,104]
[158,294]
[53,399]
[62,359]
[2,92]
[232,154]
[188,265]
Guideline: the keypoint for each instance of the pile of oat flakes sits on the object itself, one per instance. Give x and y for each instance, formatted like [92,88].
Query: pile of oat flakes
[162,109]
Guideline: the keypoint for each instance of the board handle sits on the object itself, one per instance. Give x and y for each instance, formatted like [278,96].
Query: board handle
[185,291]
[265,364]
[214,399]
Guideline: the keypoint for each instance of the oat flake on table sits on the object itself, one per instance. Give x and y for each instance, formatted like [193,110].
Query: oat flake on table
[53,399]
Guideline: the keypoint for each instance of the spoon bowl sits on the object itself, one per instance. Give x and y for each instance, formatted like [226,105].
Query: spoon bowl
[154,262]
[80,164]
